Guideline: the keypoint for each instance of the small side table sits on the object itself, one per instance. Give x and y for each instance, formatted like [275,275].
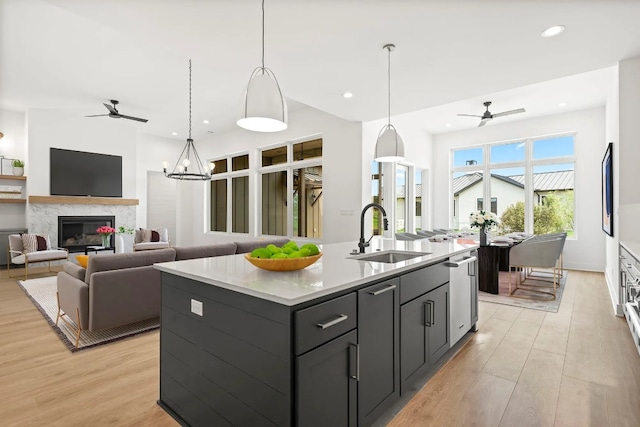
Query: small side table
[97,249]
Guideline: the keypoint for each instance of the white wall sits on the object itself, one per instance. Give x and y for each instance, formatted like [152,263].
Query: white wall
[47,128]
[342,175]
[13,145]
[587,250]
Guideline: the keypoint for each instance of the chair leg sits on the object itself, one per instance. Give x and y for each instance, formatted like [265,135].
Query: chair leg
[60,312]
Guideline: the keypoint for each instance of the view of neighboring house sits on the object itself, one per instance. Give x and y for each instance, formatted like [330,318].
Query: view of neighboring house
[505,190]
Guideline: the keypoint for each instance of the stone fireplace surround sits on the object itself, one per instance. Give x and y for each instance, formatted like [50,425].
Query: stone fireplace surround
[42,218]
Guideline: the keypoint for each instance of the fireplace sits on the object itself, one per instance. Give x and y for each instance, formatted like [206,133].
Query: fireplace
[75,233]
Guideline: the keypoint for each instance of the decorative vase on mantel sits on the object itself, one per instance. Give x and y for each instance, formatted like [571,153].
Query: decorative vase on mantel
[483,237]
[106,240]
[18,171]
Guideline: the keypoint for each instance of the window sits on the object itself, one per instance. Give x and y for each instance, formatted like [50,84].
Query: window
[402,213]
[230,213]
[532,178]
[291,194]
[376,197]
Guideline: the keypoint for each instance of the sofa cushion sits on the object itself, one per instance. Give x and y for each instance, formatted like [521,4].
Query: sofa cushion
[248,246]
[104,262]
[205,251]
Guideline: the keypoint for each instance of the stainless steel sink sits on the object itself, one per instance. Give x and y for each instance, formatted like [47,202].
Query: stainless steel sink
[389,257]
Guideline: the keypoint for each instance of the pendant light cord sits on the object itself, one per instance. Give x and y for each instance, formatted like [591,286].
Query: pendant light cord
[262,33]
[389,83]
[189,99]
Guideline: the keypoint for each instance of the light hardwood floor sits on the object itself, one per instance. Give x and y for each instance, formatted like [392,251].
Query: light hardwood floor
[523,367]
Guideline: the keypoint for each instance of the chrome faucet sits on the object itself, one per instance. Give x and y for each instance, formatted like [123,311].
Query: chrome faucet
[362,243]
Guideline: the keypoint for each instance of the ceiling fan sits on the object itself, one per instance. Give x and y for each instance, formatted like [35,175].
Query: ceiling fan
[484,118]
[113,113]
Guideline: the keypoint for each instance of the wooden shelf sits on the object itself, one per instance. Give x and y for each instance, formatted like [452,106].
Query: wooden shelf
[14,177]
[82,200]
[13,200]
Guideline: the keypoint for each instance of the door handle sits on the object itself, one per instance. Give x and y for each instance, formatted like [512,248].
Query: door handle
[354,365]
[340,318]
[429,318]
[383,290]
[461,262]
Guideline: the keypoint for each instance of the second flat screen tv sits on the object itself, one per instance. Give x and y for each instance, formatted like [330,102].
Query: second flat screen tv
[78,173]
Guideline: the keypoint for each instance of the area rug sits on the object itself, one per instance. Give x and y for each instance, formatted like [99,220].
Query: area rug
[503,294]
[42,293]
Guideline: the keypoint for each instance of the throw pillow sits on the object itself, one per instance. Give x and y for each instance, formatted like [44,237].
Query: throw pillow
[83,260]
[155,236]
[35,242]
[138,236]
[146,235]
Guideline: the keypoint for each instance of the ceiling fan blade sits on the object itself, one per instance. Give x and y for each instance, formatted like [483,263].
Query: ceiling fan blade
[508,113]
[469,115]
[133,118]
[483,122]
[111,109]
[98,115]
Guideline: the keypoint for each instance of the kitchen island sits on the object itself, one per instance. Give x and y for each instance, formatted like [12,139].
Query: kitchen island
[333,344]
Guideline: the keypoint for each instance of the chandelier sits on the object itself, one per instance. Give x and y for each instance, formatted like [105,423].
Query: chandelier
[189,166]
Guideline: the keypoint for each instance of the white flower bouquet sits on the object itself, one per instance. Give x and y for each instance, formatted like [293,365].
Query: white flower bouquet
[483,220]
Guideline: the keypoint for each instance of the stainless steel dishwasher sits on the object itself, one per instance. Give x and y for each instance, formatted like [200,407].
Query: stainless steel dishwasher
[463,290]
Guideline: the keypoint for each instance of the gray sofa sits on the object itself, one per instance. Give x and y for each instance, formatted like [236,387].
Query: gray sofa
[124,288]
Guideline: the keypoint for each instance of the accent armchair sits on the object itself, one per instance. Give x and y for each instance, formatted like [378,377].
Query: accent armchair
[145,240]
[536,253]
[37,249]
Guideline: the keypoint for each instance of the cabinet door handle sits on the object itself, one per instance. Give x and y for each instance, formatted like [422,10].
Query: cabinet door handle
[340,318]
[354,367]
[383,290]
[427,313]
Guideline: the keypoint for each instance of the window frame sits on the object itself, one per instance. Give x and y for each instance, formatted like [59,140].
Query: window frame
[228,177]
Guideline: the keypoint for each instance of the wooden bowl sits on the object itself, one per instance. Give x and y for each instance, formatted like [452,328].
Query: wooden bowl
[286,264]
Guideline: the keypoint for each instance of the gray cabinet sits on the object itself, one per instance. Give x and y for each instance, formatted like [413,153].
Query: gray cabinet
[326,377]
[378,338]
[424,333]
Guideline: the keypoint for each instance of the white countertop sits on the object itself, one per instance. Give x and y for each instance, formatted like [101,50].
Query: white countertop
[333,272]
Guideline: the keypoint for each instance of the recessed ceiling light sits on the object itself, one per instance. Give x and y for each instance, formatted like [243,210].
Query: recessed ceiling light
[206,122]
[553,31]
[347,95]
[448,125]
[562,104]
[174,133]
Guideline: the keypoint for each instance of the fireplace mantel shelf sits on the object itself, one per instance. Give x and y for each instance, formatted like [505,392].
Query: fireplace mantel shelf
[82,200]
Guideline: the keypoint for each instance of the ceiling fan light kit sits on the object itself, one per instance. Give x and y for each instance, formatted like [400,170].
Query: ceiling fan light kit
[389,146]
[189,166]
[263,108]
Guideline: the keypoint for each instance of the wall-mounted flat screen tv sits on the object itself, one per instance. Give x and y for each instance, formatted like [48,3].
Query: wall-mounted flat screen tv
[78,173]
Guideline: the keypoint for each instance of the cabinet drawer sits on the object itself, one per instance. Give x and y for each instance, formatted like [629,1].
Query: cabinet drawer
[323,322]
[418,282]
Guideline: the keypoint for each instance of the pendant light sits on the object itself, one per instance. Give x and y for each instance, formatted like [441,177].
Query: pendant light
[264,108]
[389,147]
[189,167]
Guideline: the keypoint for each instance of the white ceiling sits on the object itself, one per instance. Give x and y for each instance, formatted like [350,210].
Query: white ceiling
[73,55]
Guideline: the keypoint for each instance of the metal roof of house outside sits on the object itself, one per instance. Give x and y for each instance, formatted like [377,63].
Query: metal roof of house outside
[544,181]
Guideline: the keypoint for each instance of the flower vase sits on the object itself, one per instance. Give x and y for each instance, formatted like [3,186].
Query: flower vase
[483,237]
[106,241]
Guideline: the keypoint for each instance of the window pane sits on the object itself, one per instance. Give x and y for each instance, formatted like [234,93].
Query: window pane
[553,147]
[401,198]
[274,156]
[467,189]
[307,202]
[219,205]
[503,153]
[307,150]
[240,204]
[507,198]
[376,196]
[469,156]
[220,166]
[553,205]
[274,203]
[240,163]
